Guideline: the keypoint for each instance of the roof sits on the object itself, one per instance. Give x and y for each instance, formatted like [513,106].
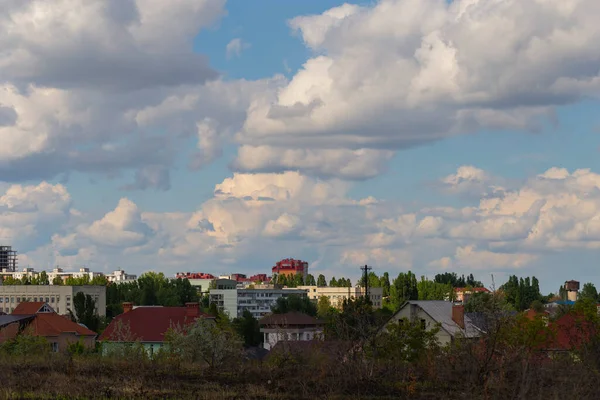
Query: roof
[475,289]
[52,324]
[147,324]
[28,308]
[9,319]
[441,312]
[291,318]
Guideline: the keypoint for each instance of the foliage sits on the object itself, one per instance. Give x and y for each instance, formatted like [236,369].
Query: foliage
[324,308]
[357,321]
[25,344]
[150,289]
[431,290]
[248,329]
[405,341]
[403,288]
[483,302]
[85,311]
[589,292]
[453,279]
[321,282]
[289,280]
[520,293]
[204,341]
[58,281]
[296,303]
[310,280]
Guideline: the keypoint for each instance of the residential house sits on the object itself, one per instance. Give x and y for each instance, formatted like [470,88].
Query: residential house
[148,325]
[462,294]
[39,319]
[450,317]
[292,326]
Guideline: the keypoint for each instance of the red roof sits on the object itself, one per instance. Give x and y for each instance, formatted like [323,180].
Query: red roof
[147,324]
[475,289]
[52,324]
[291,318]
[27,308]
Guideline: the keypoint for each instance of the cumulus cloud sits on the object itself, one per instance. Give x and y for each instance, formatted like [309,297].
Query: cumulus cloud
[401,73]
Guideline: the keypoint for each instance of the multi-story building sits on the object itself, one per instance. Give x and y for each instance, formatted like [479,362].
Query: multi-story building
[25,272]
[291,267]
[59,297]
[199,280]
[120,276]
[258,301]
[86,272]
[8,259]
[337,295]
[58,272]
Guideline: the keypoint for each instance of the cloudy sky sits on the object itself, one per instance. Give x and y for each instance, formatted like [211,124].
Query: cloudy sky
[221,136]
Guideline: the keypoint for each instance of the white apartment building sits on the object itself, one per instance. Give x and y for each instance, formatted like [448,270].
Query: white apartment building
[60,298]
[120,276]
[258,301]
[337,295]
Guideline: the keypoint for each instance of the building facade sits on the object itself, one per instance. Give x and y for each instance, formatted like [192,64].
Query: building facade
[292,326]
[234,302]
[60,298]
[8,259]
[120,276]
[291,267]
[337,295]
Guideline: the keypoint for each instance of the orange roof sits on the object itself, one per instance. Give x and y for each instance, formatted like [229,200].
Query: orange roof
[52,324]
[26,308]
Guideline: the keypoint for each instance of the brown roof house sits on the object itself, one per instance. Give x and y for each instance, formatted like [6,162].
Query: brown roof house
[292,326]
[39,319]
[147,325]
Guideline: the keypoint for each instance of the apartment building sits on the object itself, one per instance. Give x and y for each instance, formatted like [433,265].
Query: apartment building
[60,298]
[337,295]
[258,301]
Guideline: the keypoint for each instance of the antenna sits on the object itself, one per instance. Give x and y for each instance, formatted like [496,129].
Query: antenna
[366,270]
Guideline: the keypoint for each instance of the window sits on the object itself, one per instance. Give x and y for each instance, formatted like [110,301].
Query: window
[47,300]
[1,299]
[18,299]
[12,299]
[35,299]
[54,347]
[6,299]
[423,324]
[51,299]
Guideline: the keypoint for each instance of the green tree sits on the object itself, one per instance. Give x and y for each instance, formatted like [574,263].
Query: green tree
[589,292]
[430,290]
[405,341]
[85,311]
[248,329]
[295,303]
[323,307]
[333,282]
[58,281]
[321,282]
[43,278]
[385,284]
[310,280]
[403,288]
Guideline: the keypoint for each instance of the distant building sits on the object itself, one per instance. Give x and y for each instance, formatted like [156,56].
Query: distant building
[233,302]
[463,294]
[572,289]
[39,319]
[83,272]
[292,326]
[59,297]
[291,267]
[148,325]
[337,295]
[120,276]
[8,259]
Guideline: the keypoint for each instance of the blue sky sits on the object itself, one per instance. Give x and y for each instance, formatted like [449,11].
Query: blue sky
[404,104]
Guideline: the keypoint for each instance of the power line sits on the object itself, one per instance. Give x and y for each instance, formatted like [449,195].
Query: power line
[366,270]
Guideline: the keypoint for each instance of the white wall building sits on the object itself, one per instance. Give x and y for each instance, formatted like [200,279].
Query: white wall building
[337,295]
[120,276]
[258,301]
[60,298]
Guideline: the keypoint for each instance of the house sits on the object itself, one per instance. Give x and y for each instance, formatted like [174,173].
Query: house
[39,319]
[292,326]
[462,294]
[450,317]
[148,325]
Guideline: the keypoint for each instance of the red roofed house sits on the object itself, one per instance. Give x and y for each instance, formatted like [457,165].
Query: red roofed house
[39,319]
[148,325]
[292,326]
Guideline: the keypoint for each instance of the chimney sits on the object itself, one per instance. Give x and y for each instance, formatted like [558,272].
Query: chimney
[192,310]
[458,315]
[127,307]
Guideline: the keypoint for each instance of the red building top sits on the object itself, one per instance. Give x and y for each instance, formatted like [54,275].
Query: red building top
[194,275]
[290,265]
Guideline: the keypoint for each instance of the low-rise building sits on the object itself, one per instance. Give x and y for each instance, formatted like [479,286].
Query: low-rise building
[120,276]
[450,317]
[292,326]
[59,297]
[233,302]
[83,272]
[337,295]
[39,319]
[147,325]
[462,294]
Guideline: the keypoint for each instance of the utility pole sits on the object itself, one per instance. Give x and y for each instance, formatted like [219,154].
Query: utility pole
[366,270]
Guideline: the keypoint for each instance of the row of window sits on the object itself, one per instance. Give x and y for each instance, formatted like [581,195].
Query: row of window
[49,300]
[9,310]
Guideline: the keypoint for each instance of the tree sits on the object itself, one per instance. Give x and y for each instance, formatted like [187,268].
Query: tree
[385,284]
[248,329]
[403,288]
[204,341]
[405,341]
[321,282]
[43,278]
[323,307]
[85,311]
[310,280]
[589,292]
[293,303]
[58,281]
[333,282]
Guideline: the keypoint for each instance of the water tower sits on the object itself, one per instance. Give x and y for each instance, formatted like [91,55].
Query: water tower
[572,288]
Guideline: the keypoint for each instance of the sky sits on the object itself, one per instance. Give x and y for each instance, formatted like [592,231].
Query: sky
[222,136]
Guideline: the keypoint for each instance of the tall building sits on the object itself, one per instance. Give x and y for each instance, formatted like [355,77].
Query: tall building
[8,259]
[290,267]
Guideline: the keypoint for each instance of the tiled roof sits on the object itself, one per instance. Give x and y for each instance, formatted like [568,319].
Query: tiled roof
[28,308]
[475,289]
[291,318]
[52,324]
[9,319]
[147,324]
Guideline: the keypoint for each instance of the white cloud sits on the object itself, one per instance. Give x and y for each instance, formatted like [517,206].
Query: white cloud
[235,47]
